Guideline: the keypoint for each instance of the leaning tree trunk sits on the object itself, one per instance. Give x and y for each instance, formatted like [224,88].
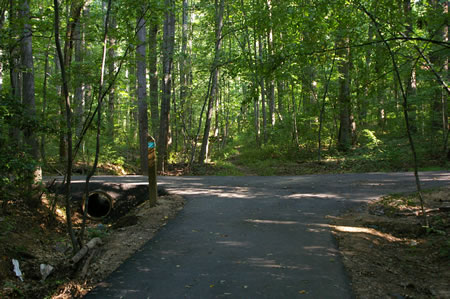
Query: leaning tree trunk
[405,110]
[215,71]
[63,59]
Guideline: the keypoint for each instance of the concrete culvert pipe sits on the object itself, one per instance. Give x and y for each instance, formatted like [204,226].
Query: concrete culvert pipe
[99,204]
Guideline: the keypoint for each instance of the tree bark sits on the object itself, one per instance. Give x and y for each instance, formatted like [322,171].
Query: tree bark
[215,74]
[78,96]
[153,72]
[142,91]
[344,138]
[271,81]
[2,20]
[168,47]
[28,93]
[14,74]
[263,94]
[410,82]
[111,74]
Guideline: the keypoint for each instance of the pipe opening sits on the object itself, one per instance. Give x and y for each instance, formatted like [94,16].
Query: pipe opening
[99,205]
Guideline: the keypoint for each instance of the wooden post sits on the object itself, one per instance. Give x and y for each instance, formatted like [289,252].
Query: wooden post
[152,188]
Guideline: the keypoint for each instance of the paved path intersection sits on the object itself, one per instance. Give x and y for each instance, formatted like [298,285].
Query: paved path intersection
[251,237]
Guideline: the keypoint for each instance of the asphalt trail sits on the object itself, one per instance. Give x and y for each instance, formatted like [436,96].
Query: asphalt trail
[251,237]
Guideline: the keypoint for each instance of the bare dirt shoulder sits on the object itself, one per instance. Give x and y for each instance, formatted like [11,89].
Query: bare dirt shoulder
[389,254]
[35,239]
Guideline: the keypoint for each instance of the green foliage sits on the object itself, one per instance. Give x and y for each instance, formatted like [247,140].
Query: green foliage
[15,163]
[96,232]
[7,224]
[369,140]
[444,252]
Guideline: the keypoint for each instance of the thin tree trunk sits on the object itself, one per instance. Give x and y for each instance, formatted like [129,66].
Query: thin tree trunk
[14,75]
[405,111]
[142,92]
[203,157]
[256,115]
[44,102]
[445,124]
[280,98]
[294,116]
[410,82]
[62,145]
[75,245]
[263,95]
[183,64]
[322,110]
[2,21]
[78,96]
[111,71]
[271,81]
[99,121]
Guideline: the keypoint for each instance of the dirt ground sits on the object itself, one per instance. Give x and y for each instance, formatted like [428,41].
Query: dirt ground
[390,254]
[39,239]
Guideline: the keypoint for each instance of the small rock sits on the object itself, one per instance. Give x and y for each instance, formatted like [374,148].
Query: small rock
[46,270]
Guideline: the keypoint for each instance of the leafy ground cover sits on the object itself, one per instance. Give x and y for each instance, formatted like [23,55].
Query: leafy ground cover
[390,254]
[40,238]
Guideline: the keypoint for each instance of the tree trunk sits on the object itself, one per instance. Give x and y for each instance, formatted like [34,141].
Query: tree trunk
[294,116]
[111,73]
[439,118]
[2,20]
[183,64]
[445,124]
[410,83]
[344,138]
[1,69]
[132,88]
[14,74]
[65,89]
[215,71]
[78,96]
[280,98]
[44,101]
[256,115]
[263,95]
[168,47]
[62,144]
[28,92]
[142,92]
[153,72]
[271,81]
